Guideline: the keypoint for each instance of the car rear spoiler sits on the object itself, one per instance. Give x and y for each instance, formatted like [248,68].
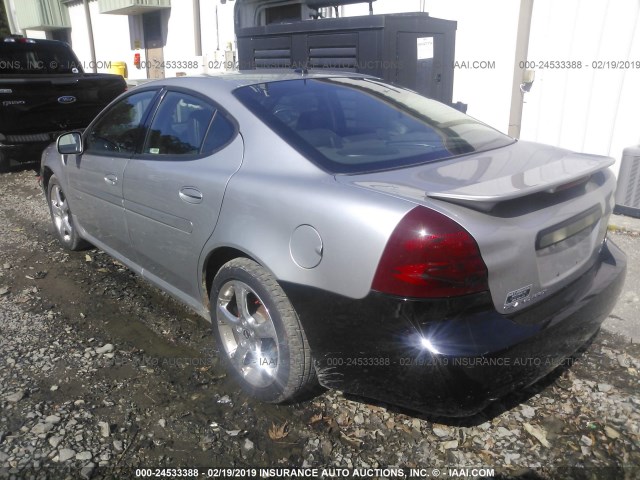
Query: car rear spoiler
[560,174]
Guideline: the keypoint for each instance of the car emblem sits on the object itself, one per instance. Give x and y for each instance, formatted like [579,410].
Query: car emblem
[67,99]
[521,295]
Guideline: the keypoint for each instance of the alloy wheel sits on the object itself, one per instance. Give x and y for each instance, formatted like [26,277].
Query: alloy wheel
[61,213]
[248,334]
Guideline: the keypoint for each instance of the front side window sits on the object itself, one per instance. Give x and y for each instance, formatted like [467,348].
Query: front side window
[120,129]
[354,125]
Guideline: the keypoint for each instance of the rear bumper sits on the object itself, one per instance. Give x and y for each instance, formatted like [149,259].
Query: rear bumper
[451,357]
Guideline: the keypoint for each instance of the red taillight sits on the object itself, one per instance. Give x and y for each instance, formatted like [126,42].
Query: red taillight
[430,256]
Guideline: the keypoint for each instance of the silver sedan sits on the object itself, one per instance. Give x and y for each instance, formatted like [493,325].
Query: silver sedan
[341,231]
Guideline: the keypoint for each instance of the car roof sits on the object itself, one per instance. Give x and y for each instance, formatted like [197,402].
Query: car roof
[233,80]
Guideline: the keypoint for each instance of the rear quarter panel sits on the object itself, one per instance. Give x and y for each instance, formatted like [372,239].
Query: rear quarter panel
[277,190]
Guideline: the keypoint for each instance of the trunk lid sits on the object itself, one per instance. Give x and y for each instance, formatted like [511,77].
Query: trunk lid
[538,213]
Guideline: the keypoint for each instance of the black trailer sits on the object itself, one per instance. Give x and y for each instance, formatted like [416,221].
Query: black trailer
[411,49]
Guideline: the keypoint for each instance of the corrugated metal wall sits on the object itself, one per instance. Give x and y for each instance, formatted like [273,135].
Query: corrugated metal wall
[591,102]
[107,6]
[41,14]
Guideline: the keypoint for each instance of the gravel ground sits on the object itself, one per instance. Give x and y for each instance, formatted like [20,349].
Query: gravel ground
[102,373]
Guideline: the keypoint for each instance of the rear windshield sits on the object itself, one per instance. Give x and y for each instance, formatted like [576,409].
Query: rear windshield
[356,125]
[36,59]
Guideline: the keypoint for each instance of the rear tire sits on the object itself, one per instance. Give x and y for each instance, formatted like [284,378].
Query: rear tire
[259,335]
[62,219]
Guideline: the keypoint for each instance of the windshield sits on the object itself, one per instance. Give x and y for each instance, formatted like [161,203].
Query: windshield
[18,58]
[356,125]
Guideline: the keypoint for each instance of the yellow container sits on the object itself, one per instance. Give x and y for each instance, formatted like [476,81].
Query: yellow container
[119,68]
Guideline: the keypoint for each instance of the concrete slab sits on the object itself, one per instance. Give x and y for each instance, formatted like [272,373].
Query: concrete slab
[625,317]
[624,223]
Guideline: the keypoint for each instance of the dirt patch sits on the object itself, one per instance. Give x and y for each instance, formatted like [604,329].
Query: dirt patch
[99,370]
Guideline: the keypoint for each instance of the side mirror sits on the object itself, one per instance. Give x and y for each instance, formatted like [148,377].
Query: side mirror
[70,144]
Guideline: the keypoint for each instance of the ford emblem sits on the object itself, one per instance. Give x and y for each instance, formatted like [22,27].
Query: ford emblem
[67,99]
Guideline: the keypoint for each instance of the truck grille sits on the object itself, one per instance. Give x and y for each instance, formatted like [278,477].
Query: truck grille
[344,58]
[273,58]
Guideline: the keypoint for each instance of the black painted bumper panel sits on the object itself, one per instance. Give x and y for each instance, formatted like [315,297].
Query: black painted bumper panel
[451,357]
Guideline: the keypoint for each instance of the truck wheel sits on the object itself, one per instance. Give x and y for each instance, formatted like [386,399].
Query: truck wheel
[63,225]
[259,335]
[4,162]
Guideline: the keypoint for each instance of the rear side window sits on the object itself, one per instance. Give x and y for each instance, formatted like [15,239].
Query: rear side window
[355,125]
[187,125]
[220,133]
[120,129]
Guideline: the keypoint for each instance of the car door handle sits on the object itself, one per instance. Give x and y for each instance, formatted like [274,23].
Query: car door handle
[111,179]
[190,195]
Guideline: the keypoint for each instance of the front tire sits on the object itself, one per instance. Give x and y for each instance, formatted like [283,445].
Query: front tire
[61,217]
[259,334]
